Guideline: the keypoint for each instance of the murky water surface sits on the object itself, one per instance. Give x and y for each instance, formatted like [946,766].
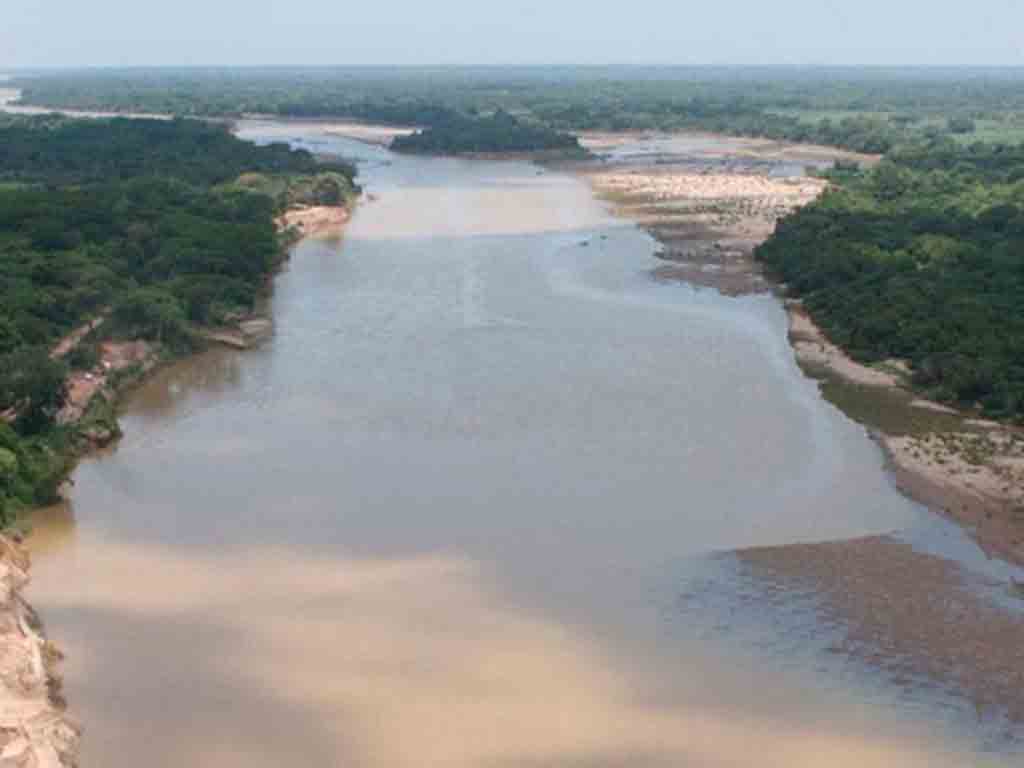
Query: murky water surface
[445,516]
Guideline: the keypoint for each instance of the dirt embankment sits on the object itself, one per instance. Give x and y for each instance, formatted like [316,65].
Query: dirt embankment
[115,357]
[34,730]
[314,221]
[710,201]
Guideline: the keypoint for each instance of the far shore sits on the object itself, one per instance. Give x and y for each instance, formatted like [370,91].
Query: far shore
[710,209]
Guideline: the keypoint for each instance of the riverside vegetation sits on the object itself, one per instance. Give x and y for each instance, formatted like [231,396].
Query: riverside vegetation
[140,230]
[497,133]
[920,259]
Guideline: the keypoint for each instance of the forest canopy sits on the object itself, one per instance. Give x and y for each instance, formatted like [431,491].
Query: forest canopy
[500,132]
[921,259]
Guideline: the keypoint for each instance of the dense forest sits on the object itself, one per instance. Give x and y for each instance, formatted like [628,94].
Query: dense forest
[162,226]
[921,259]
[500,132]
[867,110]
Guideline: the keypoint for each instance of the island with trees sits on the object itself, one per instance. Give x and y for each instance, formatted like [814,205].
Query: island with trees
[500,133]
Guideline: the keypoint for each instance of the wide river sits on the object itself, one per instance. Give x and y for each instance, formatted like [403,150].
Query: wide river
[446,516]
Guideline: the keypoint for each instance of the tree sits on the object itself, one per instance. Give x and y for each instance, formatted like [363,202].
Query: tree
[960,125]
[153,314]
[35,386]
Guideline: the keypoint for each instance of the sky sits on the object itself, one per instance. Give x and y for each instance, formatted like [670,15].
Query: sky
[62,33]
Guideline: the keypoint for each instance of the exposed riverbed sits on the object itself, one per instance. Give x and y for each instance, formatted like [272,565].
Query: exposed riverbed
[468,507]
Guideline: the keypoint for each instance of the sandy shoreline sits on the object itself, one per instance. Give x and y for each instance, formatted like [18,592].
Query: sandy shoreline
[314,220]
[34,730]
[709,210]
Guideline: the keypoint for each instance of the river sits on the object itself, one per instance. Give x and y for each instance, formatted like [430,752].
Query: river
[448,514]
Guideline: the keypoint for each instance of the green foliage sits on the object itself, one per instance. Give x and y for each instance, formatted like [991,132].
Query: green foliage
[921,259]
[329,187]
[33,476]
[498,133]
[34,385]
[867,110]
[83,357]
[151,313]
[961,124]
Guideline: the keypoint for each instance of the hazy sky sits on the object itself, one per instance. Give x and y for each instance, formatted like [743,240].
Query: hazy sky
[323,32]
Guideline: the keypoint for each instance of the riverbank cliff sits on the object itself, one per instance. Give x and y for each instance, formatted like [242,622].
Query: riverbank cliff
[35,731]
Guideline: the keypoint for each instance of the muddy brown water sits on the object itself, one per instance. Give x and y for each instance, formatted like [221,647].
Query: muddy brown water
[445,515]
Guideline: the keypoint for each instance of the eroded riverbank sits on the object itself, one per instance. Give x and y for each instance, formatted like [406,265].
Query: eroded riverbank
[34,729]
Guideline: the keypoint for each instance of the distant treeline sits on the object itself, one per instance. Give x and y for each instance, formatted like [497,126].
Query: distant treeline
[162,226]
[921,259]
[863,110]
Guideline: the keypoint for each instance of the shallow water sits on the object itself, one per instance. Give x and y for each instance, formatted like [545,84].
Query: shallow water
[445,515]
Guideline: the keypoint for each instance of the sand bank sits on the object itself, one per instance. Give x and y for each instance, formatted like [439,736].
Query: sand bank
[34,731]
[708,218]
[314,221]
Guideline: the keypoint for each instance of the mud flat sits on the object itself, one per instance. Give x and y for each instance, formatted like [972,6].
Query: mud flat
[34,730]
[921,618]
[379,135]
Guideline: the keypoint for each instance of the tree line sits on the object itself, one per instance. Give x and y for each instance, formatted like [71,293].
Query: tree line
[500,132]
[922,259]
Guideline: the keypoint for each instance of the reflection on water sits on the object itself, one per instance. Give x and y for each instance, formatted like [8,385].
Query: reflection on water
[436,519]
